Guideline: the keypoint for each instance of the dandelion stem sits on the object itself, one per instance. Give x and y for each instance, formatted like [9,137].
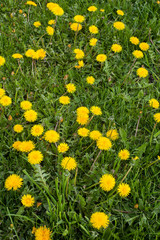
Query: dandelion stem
[138,124]
[12,223]
[95,160]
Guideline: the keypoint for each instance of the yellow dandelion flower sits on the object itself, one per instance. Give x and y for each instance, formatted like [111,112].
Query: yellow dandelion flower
[37,130]
[43,233]
[142,72]
[104,143]
[124,154]
[119,25]
[101,58]
[82,110]
[58,11]
[37,24]
[96,110]
[112,134]
[92,9]
[144,46]
[81,64]
[120,12]
[79,53]
[157,117]
[93,41]
[52,136]
[90,80]
[30,115]
[134,40]
[116,48]
[69,163]
[79,18]
[17,55]
[18,128]
[27,200]
[124,189]
[31,3]
[5,101]
[138,54]
[35,157]
[51,22]
[71,88]
[102,10]
[26,105]
[107,182]
[76,27]
[20,11]
[40,53]
[64,100]
[94,135]
[83,132]
[2,92]
[30,53]
[63,147]
[99,219]
[16,145]
[2,61]
[50,30]
[154,103]
[13,182]
[26,146]
[82,119]
[93,29]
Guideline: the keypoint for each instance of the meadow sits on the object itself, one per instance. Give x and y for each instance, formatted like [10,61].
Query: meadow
[79,120]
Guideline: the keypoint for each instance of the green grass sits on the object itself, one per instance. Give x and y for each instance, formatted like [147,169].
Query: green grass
[68,198]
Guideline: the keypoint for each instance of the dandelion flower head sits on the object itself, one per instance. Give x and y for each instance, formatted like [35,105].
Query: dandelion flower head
[64,100]
[119,25]
[76,27]
[112,134]
[93,29]
[154,103]
[30,115]
[124,189]
[134,40]
[26,105]
[124,154]
[35,157]
[95,134]
[104,143]
[144,46]
[116,48]
[63,147]
[18,128]
[42,233]
[96,110]
[83,132]
[69,163]
[142,72]
[27,200]
[107,182]
[52,136]
[14,182]
[5,101]
[2,61]
[138,54]
[99,219]
[90,80]
[101,58]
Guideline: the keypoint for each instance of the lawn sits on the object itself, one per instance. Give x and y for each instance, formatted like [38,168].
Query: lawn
[79,120]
